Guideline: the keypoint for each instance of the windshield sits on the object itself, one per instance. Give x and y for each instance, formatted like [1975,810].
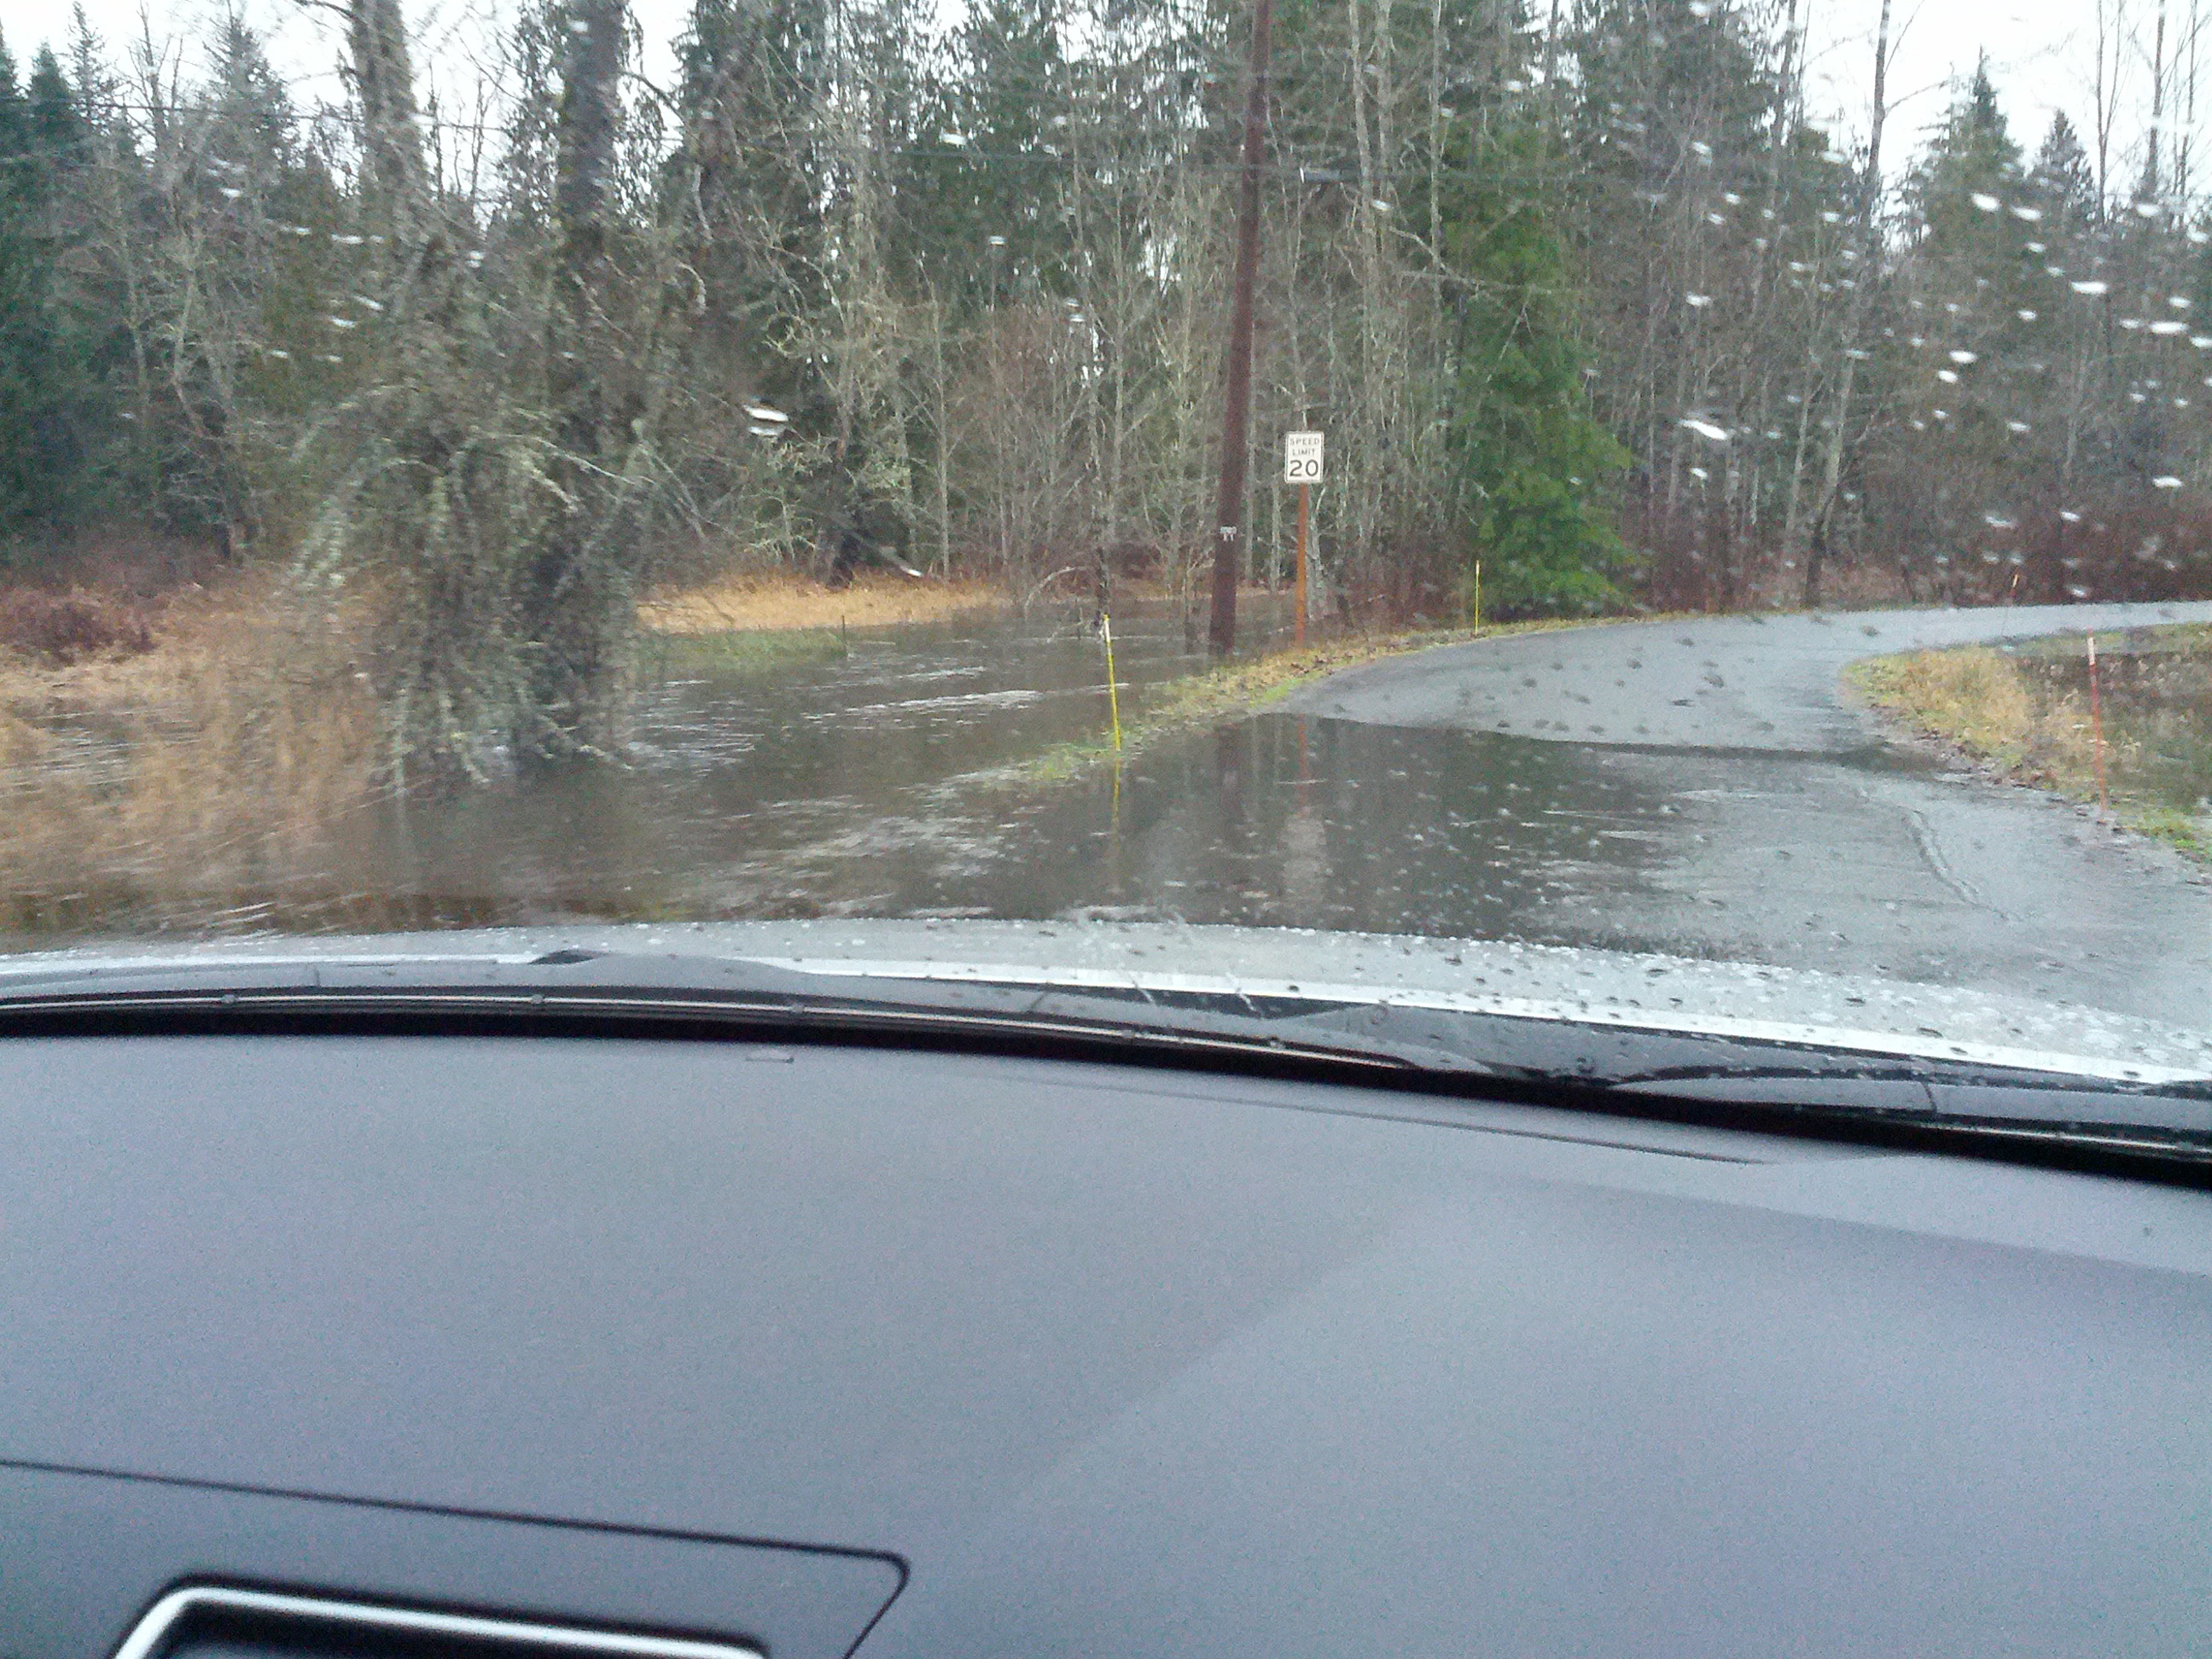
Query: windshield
[1724,487]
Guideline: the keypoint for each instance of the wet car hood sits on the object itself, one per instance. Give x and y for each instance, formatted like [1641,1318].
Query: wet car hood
[1612,989]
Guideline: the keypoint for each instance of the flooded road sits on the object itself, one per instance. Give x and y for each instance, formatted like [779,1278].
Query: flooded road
[1699,789]
[775,775]
[1442,794]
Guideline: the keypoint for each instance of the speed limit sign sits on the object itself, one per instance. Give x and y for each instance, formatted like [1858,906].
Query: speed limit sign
[1302,458]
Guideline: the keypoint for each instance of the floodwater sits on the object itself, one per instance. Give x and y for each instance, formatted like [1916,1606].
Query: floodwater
[2155,688]
[876,783]
[879,775]
[818,774]
[1288,820]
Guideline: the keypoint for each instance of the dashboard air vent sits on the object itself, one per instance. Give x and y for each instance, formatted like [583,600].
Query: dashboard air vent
[217,1622]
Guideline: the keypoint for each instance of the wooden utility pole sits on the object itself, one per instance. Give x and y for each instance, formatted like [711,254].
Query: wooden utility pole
[1235,420]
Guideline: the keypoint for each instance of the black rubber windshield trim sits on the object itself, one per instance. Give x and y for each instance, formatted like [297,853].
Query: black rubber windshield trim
[2146,1154]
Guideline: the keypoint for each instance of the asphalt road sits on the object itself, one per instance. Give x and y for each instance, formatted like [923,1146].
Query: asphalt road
[1798,834]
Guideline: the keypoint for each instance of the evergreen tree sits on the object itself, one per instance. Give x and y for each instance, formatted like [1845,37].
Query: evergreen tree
[1979,315]
[2063,176]
[1529,460]
[42,389]
[995,191]
[57,126]
[2070,413]
[753,80]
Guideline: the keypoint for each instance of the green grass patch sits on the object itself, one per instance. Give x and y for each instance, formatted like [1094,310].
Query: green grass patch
[2192,834]
[748,652]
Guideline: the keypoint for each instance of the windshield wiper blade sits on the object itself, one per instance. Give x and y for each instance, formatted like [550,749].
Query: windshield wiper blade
[762,1014]
[1956,1094]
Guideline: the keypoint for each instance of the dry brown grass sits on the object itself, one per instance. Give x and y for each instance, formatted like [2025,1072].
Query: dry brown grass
[782,601]
[1978,701]
[1974,697]
[229,750]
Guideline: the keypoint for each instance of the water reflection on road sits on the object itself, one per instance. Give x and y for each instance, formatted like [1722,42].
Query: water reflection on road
[770,775]
[1287,820]
[1277,821]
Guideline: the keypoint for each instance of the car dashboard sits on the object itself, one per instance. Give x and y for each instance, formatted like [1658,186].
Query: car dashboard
[808,1349]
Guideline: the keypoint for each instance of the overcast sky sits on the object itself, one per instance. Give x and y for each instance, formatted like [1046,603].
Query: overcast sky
[2039,49]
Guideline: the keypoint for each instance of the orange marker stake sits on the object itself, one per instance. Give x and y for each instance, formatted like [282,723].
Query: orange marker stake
[2097,730]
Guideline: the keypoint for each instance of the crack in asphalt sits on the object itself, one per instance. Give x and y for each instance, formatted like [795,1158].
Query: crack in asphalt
[1923,837]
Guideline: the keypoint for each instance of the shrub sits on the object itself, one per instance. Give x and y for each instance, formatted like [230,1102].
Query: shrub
[67,628]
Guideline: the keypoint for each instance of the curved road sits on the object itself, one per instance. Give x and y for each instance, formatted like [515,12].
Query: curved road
[1797,834]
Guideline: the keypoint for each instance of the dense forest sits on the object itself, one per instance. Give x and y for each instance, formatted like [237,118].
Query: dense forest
[1580,293]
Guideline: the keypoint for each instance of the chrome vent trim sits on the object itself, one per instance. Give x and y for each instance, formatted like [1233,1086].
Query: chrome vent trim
[163,1617]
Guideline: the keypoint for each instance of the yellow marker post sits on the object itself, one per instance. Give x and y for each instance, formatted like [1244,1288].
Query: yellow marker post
[1478,593]
[1113,692]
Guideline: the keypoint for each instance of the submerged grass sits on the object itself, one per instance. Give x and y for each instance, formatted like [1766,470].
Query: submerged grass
[2023,712]
[749,652]
[1239,688]
[782,602]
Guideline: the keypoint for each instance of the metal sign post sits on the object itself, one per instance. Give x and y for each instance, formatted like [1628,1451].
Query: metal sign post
[1302,453]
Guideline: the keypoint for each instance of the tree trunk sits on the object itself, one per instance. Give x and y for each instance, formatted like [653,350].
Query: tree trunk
[573,623]
[392,181]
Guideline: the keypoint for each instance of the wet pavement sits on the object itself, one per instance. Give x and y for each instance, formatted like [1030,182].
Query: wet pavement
[1747,682]
[1780,826]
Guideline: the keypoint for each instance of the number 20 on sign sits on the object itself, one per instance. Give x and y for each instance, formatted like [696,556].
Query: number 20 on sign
[1300,466]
